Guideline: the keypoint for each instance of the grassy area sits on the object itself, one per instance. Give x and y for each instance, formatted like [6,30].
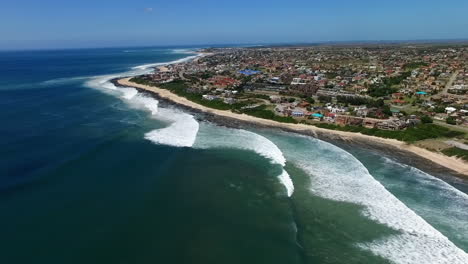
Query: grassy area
[421,132]
[414,65]
[388,85]
[457,152]
[180,88]
[259,96]
[264,113]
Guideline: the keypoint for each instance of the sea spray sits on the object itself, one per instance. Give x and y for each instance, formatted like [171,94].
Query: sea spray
[182,127]
[221,137]
[181,132]
[337,175]
[152,65]
[439,203]
[287,182]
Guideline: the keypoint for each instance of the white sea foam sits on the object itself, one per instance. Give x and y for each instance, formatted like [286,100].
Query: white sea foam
[221,137]
[287,182]
[441,204]
[428,179]
[128,93]
[184,51]
[146,102]
[152,65]
[60,81]
[337,175]
[182,128]
[182,131]
[102,82]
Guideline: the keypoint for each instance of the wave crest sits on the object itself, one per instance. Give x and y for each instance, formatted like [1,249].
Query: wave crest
[339,176]
[217,137]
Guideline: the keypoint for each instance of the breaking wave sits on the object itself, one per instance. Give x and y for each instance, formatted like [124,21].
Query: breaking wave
[151,65]
[182,128]
[181,132]
[60,81]
[220,137]
[443,205]
[184,51]
[339,176]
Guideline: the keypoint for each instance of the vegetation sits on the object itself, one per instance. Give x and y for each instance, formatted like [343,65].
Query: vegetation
[331,75]
[427,130]
[439,109]
[260,96]
[386,87]
[457,152]
[325,99]
[261,112]
[180,88]
[451,121]
[426,119]
[421,132]
[310,100]
[414,65]
[354,100]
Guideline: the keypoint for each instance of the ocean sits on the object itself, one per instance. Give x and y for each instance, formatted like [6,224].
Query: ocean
[94,173]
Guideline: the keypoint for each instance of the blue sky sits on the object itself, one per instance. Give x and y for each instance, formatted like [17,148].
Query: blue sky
[103,23]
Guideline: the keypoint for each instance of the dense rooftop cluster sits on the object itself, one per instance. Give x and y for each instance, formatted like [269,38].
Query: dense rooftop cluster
[406,92]
[400,85]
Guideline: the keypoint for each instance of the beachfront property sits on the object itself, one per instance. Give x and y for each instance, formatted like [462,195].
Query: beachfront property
[381,93]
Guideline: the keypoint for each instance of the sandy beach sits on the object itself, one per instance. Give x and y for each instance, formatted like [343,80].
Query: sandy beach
[450,163]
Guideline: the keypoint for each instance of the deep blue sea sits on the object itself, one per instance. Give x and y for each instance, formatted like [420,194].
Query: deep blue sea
[93,173]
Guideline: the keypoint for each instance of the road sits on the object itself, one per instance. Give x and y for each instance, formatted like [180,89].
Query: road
[450,83]
[457,144]
[454,127]
[181,75]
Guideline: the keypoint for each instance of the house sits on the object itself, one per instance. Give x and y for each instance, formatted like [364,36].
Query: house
[370,122]
[330,117]
[304,104]
[398,102]
[274,80]
[249,72]
[391,124]
[229,100]
[298,81]
[209,97]
[297,113]
[450,109]
[362,110]
[348,120]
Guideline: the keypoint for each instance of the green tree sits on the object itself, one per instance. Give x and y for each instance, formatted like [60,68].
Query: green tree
[426,119]
[451,120]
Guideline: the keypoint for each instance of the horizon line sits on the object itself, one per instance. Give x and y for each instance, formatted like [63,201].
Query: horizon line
[265,44]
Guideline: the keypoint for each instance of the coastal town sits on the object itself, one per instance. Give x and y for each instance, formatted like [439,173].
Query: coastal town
[373,89]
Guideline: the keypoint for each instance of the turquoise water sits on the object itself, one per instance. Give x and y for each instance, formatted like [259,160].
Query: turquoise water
[93,173]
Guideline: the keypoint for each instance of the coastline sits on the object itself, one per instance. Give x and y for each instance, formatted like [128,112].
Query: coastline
[450,163]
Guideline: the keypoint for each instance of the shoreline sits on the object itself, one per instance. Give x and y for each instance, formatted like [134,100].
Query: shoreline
[450,163]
